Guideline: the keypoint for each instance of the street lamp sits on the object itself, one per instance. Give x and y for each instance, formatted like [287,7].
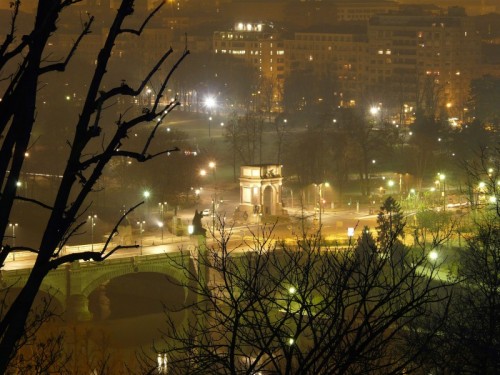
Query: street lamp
[390,184]
[162,205]
[146,194]
[140,224]
[210,103]
[13,226]
[442,178]
[320,193]
[92,224]
[374,110]
[212,165]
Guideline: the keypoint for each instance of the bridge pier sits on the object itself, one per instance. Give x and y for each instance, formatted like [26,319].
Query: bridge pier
[77,304]
[77,308]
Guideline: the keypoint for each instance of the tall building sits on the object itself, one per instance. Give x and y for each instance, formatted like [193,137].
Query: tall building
[332,53]
[423,60]
[261,46]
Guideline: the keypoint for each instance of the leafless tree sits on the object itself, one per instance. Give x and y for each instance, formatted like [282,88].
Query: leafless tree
[272,307]
[469,343]
[244,134]
[23,64]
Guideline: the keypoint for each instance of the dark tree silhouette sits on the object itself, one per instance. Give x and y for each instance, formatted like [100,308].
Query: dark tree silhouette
[303,309]
[24,63]
[469,343]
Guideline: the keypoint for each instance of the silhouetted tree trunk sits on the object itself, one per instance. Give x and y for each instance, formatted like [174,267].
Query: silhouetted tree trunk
[23,59]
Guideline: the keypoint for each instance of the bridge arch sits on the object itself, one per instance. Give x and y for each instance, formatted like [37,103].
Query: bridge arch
[72,284]
[112,273]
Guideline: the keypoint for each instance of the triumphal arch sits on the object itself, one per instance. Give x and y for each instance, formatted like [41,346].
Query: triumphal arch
[260,190]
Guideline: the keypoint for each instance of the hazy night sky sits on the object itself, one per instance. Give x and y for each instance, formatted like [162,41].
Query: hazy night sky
[29,5]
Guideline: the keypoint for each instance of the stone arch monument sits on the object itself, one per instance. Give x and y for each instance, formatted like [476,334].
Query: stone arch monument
[260,190]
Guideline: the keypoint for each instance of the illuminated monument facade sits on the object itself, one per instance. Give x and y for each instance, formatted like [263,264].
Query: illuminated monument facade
[260,190]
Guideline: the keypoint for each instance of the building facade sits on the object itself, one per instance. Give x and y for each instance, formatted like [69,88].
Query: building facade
[423,60]
[260,190]
[262,47]
[335,54]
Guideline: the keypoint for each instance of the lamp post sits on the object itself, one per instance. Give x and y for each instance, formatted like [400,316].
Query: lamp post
[140,224]
[13,226]
[92,224]
[146,194]
[212,166]
[390,184]
[320,194]
[162,206]
[442,178]
[210,103]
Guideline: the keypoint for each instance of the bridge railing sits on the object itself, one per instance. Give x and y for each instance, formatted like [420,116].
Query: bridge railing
[68,249]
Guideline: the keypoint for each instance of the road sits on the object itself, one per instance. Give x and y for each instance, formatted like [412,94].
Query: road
[334,225]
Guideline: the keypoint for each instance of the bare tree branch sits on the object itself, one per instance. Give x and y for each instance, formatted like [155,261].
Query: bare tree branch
[85,256]
[60,67]
[148,18]
[126,90]
[35,201]
[9,38]
[115,230]
[169,108]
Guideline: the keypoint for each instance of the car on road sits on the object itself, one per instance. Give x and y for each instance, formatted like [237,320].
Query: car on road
[206,212]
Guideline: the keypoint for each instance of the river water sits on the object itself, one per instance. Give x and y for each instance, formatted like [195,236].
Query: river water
[128,318]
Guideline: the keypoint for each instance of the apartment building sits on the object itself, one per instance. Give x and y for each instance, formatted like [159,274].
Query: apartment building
[356,11]
[334,53]
[425,60]
[261,46]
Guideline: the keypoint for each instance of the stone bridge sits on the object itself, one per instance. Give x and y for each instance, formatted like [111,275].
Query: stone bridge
[72,284]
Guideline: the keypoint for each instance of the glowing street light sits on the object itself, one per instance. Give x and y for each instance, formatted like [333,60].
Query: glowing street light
[391,184]
[320,193]
[212,165]
[210,103]
[442,178]
[374,110]
[92,219]
[141,230]
[146,194]
[161,224]
[13,226]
